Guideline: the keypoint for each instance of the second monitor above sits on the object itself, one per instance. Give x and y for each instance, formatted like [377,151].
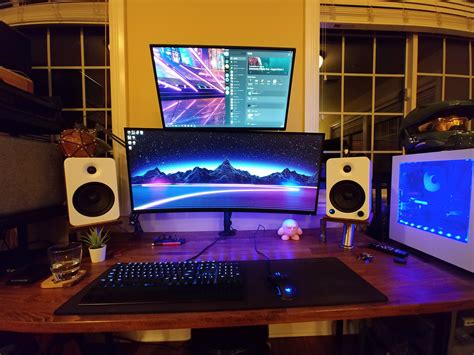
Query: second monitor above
[223,87]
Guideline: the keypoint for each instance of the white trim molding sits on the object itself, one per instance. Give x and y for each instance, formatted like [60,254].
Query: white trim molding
[453,17]
[56,13]
[311,66]
[118,86]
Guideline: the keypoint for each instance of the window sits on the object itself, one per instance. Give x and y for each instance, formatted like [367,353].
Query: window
[362,83]
[444,69]
[72,62]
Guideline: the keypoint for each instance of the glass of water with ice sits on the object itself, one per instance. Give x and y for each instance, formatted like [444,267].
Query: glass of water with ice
[65,260]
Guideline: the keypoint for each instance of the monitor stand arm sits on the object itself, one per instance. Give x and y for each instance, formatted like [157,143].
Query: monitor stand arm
[228,230]
[135,222]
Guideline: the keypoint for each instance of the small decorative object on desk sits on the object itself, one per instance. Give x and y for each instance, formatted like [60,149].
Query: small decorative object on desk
[290,230]
[65,260]
[76,142]
[51,282]
[96,239]
[82,143]
[65,263]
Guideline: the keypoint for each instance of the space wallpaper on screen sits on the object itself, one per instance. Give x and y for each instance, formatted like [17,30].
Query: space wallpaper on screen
[206,170]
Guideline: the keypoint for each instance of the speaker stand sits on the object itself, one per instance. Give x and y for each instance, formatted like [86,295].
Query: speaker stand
[348,230]
[347,241]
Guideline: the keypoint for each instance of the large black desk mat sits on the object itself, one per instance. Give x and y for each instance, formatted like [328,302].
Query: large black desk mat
[318,282]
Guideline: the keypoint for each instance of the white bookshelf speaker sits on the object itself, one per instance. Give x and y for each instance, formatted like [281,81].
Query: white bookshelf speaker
[91,188]
[349,188]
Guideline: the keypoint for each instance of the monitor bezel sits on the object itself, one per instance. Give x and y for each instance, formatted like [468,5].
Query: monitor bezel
[223,128]
[216,209]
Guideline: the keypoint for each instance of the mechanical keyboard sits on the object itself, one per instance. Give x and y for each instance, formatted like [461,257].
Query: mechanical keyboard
[170,282]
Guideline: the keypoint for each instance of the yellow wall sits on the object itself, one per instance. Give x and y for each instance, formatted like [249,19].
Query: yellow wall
[274,23]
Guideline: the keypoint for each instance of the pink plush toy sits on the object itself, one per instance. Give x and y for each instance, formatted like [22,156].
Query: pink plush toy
[290,230]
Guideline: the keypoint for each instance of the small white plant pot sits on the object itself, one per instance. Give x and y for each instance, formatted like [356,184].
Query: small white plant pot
[98,255]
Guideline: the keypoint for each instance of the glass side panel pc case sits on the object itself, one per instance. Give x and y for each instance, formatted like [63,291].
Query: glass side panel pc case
[432,204]
[223,87]
[189,170]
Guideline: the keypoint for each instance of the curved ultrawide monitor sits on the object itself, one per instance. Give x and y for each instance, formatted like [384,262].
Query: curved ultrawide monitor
[222,86]
[188,170]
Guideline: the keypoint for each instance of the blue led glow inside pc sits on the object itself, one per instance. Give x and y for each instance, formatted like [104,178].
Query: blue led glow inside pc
[432,204]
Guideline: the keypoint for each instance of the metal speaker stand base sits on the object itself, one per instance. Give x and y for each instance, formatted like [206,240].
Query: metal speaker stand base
[348,231]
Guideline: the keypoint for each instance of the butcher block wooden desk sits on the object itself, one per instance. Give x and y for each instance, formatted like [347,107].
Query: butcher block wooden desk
[419,287]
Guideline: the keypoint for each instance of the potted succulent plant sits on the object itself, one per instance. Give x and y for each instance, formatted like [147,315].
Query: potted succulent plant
[96,239]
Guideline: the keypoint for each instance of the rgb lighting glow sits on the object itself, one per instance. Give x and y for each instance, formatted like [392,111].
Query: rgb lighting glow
[435,196]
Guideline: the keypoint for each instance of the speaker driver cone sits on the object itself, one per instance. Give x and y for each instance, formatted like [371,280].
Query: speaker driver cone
[93,199]
[347,196]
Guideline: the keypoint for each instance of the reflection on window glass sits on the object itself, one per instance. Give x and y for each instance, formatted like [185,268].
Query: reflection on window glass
[100,120]
[457,56]
[95,87]
[472,57]
[430,54]
[67,84]
[65,51]
[386,132]
[367,116]
[332,53]
[358,54]
[357,94]
[357,131]
[456,89]
[95,48]
[326,156]
[390,55]
[384,109]
[96,117]
[428,90]
[72,117]
[330,93]
[37,38]
[65,46]
[389,94]
[327,123]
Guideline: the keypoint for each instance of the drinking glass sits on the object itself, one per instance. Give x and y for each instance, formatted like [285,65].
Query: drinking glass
[65,260]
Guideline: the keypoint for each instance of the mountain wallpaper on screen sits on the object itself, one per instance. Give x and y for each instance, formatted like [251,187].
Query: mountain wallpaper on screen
[225,173]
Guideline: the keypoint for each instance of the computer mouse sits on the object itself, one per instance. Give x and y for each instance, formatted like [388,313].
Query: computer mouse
[283,287]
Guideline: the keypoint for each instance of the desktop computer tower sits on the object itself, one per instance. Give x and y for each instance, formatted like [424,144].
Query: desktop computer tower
[432,204]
